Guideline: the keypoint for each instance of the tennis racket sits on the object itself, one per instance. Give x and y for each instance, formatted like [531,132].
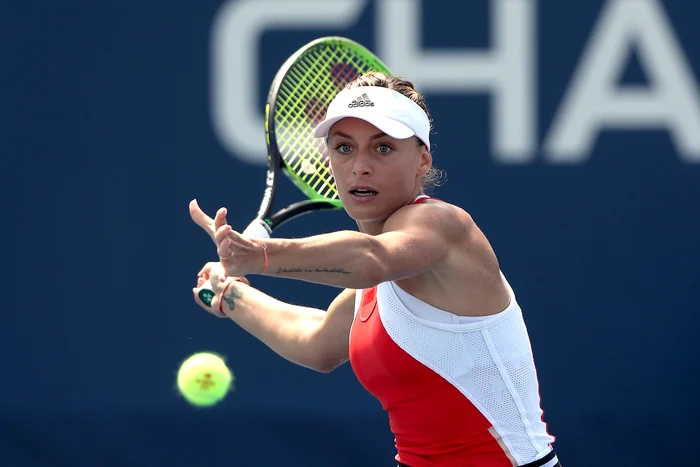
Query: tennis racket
[297,101]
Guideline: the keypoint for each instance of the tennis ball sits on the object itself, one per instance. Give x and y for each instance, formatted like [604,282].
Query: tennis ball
[204,379]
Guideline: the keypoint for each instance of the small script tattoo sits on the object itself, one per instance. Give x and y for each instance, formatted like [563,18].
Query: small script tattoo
[305,270]
[230,298]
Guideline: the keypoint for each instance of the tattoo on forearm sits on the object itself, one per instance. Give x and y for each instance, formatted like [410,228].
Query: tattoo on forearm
[230,297]
[321,270]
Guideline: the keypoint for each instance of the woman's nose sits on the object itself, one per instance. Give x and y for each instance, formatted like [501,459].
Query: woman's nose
[361,165]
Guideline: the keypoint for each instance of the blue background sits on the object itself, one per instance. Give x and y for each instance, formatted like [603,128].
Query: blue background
[107,136]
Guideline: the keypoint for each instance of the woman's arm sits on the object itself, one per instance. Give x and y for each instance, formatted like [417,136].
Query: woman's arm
[309,337]
[414,239]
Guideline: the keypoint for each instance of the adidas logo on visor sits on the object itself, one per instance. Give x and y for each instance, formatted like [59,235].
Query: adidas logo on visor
[362,101]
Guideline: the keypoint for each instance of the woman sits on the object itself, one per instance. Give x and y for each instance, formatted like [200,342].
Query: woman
[426,319]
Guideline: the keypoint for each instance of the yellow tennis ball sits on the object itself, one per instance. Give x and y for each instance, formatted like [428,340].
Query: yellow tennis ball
[204,379]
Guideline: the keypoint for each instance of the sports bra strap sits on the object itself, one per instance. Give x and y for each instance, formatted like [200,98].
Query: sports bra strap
[420,198]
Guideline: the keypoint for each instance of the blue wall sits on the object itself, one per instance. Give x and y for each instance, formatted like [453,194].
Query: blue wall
[108,133]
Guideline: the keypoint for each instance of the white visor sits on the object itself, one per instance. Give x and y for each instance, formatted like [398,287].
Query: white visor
[388,110]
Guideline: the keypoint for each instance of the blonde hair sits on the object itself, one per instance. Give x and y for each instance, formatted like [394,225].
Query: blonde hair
[435,176]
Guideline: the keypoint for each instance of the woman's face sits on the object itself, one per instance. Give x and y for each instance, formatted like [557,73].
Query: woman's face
[375,173]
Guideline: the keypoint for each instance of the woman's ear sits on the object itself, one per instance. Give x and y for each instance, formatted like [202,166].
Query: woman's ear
[426,160]
[327,160]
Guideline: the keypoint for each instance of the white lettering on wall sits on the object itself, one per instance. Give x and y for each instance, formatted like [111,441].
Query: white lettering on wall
[595,102]
[507,71]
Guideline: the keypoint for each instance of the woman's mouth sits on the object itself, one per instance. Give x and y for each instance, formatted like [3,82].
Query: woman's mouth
[363,192]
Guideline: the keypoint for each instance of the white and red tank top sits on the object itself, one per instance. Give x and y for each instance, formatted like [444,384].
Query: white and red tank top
[458,391]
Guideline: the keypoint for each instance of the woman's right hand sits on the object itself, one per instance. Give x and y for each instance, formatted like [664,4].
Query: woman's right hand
[213,277]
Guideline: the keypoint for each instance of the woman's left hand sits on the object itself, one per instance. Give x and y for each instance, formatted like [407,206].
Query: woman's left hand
[238,255]
[207,224]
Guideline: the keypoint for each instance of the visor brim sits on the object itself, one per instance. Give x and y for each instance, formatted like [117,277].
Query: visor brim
[383,123]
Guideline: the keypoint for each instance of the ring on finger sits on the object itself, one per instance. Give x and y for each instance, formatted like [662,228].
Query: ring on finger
[230,253]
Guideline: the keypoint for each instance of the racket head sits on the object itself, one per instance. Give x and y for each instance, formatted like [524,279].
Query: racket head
[297,101]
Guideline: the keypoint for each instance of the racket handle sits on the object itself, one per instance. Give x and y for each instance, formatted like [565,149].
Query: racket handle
[257,229]
[206,293]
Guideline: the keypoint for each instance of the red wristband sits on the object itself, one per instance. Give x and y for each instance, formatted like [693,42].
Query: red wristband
[264,249]
[221,302]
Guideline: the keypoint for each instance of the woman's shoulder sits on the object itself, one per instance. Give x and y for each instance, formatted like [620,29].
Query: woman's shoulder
[434,214]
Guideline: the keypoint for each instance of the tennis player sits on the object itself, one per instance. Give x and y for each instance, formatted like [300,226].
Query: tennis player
[429,323]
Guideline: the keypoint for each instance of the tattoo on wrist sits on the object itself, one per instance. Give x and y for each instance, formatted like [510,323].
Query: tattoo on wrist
[231,295]
[317,270]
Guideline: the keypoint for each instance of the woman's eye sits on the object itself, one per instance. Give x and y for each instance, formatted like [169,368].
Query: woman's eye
[342,148]
[384,149]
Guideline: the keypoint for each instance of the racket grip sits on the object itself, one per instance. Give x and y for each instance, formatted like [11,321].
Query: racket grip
[257,229]
[206,293]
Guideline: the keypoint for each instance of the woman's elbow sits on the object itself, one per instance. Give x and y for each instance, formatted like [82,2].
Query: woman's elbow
[327,367]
